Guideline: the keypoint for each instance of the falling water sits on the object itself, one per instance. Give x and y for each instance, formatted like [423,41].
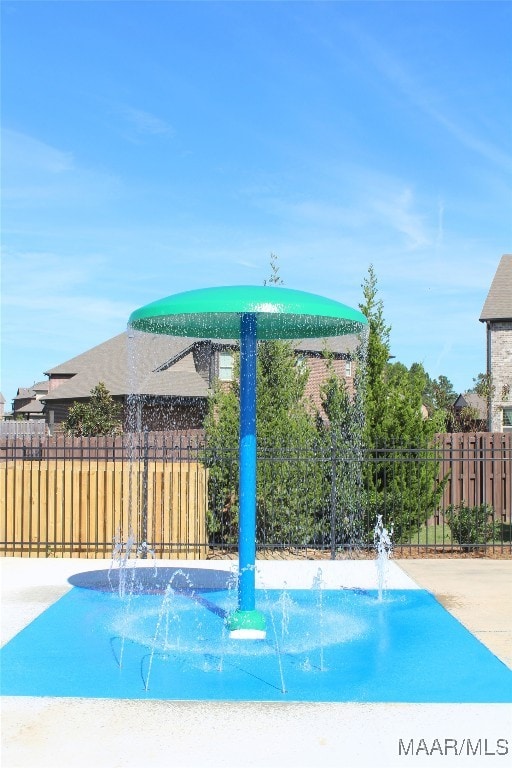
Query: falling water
[285,603]
[347,484]
[121,554]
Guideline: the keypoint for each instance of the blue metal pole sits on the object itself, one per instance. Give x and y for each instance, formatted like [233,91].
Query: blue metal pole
[247,454]
[247,622]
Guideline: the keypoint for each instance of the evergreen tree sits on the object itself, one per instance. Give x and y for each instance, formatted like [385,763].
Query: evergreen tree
[438,394]
[288,485]
[221,457]
[343,435]
[444,394]
[313,484]
[400,472]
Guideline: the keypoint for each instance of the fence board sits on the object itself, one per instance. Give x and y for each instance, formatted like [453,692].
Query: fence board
[479,470]
[17,428]
[56,508]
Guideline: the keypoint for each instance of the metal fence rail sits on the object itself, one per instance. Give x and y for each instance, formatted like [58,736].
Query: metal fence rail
[169,495]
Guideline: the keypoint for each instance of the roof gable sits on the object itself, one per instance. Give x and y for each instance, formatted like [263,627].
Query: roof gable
[122,363]
[498,304]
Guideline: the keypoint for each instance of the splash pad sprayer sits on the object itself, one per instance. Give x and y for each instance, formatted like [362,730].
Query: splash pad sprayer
[248,313]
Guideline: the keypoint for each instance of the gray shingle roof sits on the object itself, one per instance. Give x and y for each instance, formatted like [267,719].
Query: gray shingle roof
[118,350]
[128,366]
[472,400]
[340,345]
[24,392]
[40,386]
[498,304]
[152,364]
[35,406]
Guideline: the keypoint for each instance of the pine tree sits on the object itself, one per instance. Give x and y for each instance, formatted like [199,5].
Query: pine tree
[343,443]
[377,356]
[401,471]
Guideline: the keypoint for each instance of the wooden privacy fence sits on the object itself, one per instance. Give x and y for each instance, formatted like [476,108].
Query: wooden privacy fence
[21,428]
[478,468]
[73,508]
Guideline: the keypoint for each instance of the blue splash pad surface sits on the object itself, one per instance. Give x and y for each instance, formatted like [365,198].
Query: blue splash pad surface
[340,646]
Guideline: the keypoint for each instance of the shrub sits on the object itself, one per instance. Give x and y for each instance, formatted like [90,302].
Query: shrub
[471,527]
[100,416]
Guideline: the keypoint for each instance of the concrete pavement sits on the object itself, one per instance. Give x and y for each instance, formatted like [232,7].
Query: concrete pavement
[478,592]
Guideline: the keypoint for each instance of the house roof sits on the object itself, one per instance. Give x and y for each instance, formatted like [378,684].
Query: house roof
[339,345]
[498,304]
[472,400]
[128,365]
[115,352]
[35,406]
[40,388]
[153,364]
[23,393]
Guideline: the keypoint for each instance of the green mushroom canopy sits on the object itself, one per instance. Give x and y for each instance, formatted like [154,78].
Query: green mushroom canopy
[281,313]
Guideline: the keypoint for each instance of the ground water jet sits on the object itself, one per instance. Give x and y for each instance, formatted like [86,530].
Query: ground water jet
[248,313]
[383,544]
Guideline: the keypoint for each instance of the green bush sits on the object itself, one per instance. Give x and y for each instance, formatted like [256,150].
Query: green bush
[101,415]
[471,527]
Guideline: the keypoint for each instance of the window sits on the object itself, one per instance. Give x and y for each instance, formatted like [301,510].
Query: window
[226,364]
[507,419]
[348,368]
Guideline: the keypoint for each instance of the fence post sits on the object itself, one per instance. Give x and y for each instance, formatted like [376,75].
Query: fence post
[333,496]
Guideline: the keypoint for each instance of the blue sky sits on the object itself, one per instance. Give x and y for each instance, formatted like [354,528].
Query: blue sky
[155,147]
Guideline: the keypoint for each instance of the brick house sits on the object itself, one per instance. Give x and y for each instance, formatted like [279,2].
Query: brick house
[163,382]
[497,315]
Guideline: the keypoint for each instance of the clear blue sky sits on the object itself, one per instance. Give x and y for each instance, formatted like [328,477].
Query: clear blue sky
[155,147]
